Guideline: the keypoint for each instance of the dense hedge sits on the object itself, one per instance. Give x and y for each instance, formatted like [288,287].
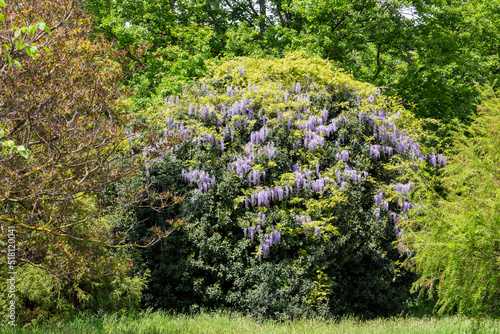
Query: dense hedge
[294,177]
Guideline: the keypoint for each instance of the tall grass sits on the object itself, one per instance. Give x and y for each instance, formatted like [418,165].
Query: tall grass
[161,322]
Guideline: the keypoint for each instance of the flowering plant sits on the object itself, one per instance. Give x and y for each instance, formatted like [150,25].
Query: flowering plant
[269,151]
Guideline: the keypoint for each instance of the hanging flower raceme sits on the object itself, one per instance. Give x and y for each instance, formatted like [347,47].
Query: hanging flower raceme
[269,150]
[202,178]
[259,136]
[241,165]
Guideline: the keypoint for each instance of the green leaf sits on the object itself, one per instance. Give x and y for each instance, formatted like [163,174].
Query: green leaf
[2,18]
[5,151]
[9,143]
[47,29]
[18,64]
[22,151]
[47,50]
[2,3]
[41,25]
[17,33]
[6,54]
[2,133]
[34,50]
[31,29]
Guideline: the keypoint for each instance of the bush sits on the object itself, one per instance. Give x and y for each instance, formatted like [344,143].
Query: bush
[292,172]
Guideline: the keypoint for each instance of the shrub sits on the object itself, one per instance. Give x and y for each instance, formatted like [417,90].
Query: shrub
[292,173]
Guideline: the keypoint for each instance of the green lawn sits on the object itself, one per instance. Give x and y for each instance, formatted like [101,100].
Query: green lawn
[160,322]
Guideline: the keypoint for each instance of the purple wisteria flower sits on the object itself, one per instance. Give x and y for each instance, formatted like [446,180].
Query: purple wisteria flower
[267,241]
[202,178]
[270,150]
[259,136]
[344,155]
[312,140]
[262,218]
[441,160]
[251,231]
[397,231]
[317,231]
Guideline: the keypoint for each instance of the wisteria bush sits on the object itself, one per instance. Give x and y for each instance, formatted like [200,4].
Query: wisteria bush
[295,178]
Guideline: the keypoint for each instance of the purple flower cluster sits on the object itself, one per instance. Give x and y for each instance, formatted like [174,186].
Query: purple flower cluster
[343,155]
[254,177]
[203,112]
[298,88]
[377,150]
[301,178]
[241,165]
[250,231]
[311,123]
[312,140]
[304,219]
[349,174]
[270,150]
[404,189]
[320,184]
[386,130]
[202,178]
[172,101]
[440,159]
[259,136]
[379,200]
[268,240]
[265,196]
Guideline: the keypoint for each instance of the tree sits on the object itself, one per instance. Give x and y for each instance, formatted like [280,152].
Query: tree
[62,103]
[455,235]
[295,177]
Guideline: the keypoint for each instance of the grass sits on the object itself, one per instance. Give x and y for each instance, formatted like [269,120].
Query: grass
[161,322]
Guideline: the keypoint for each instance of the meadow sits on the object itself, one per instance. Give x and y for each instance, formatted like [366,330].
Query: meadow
[161,322]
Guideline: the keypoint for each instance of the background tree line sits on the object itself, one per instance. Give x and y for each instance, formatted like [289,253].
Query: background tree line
[430,53]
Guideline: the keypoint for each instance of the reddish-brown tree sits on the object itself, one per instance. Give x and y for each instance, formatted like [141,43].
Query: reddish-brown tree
[61,102]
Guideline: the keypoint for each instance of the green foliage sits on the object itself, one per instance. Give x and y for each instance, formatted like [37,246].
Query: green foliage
[456,234]
[8,146]
[336,256]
